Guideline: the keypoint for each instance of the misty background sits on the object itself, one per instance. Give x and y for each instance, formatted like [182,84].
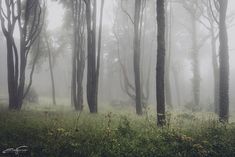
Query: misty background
[112,78]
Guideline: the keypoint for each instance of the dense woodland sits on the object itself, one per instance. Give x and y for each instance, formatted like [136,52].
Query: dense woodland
[117,77]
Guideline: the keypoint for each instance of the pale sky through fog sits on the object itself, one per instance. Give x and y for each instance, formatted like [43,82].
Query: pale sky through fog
[56,13]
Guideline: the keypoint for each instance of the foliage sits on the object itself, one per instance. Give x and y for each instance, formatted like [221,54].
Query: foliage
[63,134]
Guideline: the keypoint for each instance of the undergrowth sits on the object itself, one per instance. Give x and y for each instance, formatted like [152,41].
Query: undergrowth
[71,134]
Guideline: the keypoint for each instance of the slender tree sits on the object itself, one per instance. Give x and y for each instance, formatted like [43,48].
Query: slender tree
[191,7]
[137,23]
[224,62]
[75,24]
[78,59]
[168,52]
[210,24]
[160,88]
[176,73]
[217,14]
[27,16]
[51,70]
[93,59]
[136,45]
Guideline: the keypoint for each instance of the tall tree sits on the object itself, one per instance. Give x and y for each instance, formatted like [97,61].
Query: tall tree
[137,23]
[27,16]
[217,14]
[51,69]
[210,24]
[78,59]
[45,50]
[168,52]
[224,62]
[136,45]
[93,59]
[75,24]
[160,88]
[191,7]
[121,33]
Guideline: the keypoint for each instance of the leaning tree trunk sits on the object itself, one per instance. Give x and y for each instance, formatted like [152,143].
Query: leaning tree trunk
[160,64]
[224,63]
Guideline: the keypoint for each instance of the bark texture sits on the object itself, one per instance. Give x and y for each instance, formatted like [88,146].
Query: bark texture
[28,17]
[160,88]
[93,58]
[78,60]
[224,62]
[137,43]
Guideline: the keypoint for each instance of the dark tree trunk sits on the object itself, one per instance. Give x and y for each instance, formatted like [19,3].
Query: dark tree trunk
[160,89]
[78,60]
[29,30]
[136,44]
[93,59]
[12,85]
[224,63]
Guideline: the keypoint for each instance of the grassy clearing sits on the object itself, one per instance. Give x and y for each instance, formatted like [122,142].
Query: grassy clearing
[58,133]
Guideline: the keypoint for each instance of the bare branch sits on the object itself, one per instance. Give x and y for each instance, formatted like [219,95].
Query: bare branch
[128,15]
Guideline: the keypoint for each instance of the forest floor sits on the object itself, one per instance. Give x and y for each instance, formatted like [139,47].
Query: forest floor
[63,133]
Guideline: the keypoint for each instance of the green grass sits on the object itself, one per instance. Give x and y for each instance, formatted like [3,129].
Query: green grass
[64,133]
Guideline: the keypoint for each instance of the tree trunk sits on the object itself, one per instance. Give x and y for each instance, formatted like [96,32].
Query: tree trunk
[51,73]
[78,60]
[160,89]
[93,59]
[29,29]
[215,71]
[99,49]
[177,86]
[136,62]
[195,65]
[12,86]
[224,63]
[168,56]
[73,81]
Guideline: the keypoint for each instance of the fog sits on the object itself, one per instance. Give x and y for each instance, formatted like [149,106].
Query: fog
[111,76]
[133,78]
